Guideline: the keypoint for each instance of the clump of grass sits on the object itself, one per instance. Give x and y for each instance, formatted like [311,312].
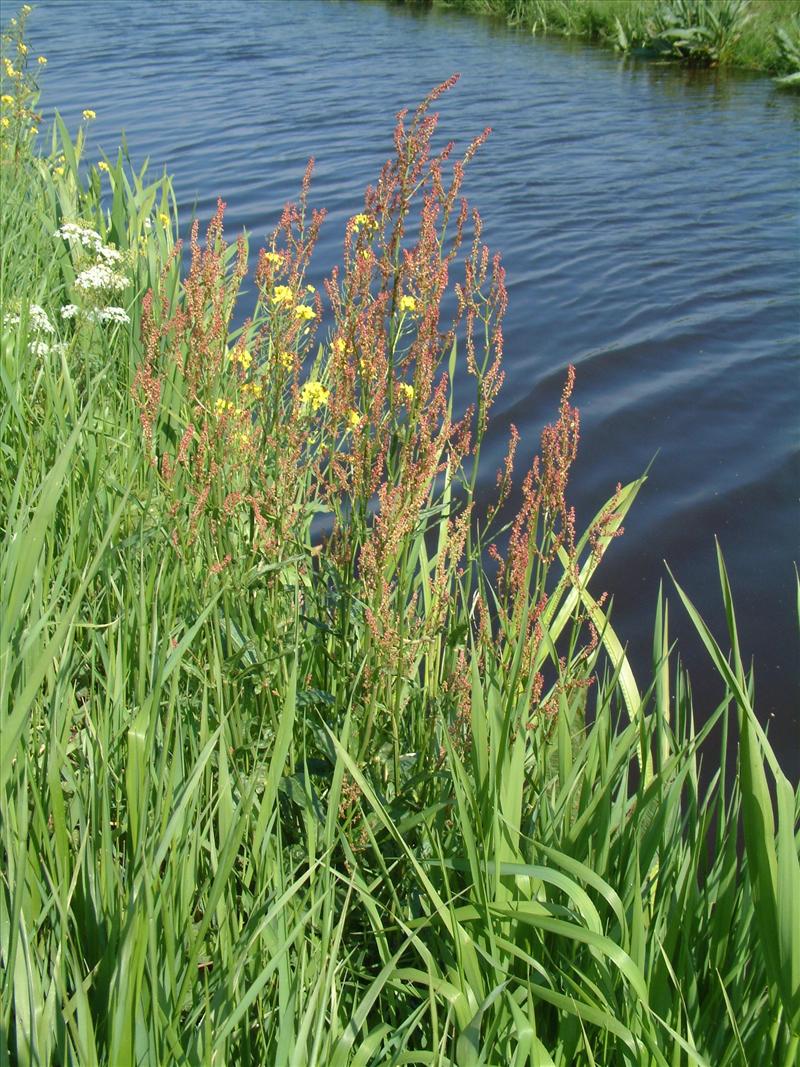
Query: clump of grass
[734,33]
[697,32]
[287,776]
[788,43]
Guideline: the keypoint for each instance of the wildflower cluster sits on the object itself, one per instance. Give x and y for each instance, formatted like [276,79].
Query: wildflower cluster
[19,91]
[98,275]
[40,330]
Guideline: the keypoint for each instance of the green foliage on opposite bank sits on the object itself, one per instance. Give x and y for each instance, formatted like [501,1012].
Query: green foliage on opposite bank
[762,35]
[287,776]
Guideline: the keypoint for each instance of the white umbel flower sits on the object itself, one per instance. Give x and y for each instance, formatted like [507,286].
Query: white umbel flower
[39,320]
[100,276]
[69,311]
[79,235]
[110,255]
[109,314]
[42,348]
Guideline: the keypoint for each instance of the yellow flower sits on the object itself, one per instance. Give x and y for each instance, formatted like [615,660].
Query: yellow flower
[353,419]
[9,69]
[4,122]
[365,221]
[286,360]
[163,218]
[408,303]
[26,10]
[102,165]
[338,346]
[22,49]
[223,407]
[303,311]
[314,395]
[33,130]
[242,439]
[42,61]
[88,114]
[310,289]
[58,170]
[6,99]
[242,357]
[282,294]
[254,389]
[366,368]
[406,392]
[273,257]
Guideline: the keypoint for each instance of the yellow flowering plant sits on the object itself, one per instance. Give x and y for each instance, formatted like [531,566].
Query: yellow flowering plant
[283,294]
[242,357]
[314,396]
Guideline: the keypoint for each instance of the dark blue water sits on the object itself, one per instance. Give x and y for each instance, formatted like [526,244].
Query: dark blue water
[648,219]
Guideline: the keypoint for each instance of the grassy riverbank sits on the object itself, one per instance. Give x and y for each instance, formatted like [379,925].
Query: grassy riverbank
[761,35]
[288,776]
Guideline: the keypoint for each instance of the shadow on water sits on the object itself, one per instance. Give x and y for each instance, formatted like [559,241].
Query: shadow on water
[648,220]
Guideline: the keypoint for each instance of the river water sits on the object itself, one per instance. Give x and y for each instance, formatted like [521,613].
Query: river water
[648,220]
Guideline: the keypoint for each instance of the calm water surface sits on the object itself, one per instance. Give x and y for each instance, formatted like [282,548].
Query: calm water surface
[648,220]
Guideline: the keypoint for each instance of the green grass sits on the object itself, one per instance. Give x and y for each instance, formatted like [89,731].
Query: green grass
[750,37]
[274,794]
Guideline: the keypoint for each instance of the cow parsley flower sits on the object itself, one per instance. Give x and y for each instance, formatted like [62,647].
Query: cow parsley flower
[114,314]
[99,277]
[39,320]
[108,314]
[110,255]
[42,348]
[77,234]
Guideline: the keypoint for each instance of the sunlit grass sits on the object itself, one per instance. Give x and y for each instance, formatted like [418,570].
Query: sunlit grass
[736,33]
[271,795]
